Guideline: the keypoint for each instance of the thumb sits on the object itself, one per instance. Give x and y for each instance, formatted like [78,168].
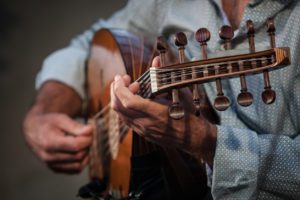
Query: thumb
[134,87]
[156,62]
[73,127]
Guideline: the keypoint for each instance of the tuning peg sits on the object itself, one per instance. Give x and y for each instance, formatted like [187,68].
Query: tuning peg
[251,32]
[221,101]
[271,30]
[269,95]
[226,33]
[180,40]
[245,98]
[176,111]
[203,36]
[161,47]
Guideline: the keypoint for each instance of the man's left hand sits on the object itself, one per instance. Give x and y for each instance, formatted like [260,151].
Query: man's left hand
[151,120]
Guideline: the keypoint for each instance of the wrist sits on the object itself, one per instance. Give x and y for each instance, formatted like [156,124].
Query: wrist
[202,139]
[210,144]
[55,96]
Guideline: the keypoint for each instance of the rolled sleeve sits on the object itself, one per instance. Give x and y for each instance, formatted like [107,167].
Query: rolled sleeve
[236,164]
[279,169]
[248,165]
[66,66]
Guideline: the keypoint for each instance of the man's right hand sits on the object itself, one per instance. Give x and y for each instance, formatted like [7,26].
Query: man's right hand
[57,139]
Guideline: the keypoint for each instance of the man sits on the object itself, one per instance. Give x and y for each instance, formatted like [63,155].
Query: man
[252,154]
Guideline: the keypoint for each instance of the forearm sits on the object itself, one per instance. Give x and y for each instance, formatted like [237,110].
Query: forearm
[54,96]
[48,126]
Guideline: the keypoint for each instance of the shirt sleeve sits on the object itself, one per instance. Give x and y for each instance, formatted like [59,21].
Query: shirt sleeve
[67,65]
[251,165]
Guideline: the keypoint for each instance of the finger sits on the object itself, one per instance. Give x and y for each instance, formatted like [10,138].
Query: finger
[132,105]
[156,62]
[62,143]
[118,80]
[122,93]
[115,102]
[69,168]
[113,99]
[72,127]
[126,79]
[54,157]
[134,87]
[85,162]
[128,104]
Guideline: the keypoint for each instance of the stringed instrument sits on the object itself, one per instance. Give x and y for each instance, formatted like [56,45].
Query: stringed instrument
[113,52]
[120,52]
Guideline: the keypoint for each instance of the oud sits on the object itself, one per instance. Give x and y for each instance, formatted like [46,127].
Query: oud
[119,52]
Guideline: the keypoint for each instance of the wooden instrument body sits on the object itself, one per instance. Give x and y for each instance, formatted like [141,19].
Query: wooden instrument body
[113,52]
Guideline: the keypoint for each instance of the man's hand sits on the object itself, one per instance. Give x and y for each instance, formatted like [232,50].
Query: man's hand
[150,119]
[61,142]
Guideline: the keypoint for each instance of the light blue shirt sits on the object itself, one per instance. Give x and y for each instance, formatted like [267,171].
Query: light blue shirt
[258,147]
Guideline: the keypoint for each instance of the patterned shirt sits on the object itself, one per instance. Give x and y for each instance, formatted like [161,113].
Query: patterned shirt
[258,147]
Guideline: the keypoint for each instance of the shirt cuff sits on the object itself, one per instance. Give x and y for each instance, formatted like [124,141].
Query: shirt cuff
[209,173]
[67,66]
[236,163]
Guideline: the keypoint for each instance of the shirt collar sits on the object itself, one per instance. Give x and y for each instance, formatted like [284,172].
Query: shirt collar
[253,2]
[257,10]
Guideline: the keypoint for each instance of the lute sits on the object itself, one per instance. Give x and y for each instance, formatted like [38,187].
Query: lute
[119,52]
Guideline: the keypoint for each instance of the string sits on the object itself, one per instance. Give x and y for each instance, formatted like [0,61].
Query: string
[162,70]
[145,78]
[104,109]
[104,114]
[115,140]
[141,78]
[122,126]
[186,72]
[145,92]
[144,83]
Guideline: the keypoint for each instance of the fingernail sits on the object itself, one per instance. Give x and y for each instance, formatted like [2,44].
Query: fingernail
[117,77]
[84,129]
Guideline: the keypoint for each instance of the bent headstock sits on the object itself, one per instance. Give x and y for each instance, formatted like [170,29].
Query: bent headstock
[231,64]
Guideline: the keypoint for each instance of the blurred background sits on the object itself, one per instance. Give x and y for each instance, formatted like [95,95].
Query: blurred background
[29,31]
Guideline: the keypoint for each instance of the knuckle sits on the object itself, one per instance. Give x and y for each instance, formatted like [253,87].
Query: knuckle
[115,107]
[77,167]
[117,90]
[51,118]
[46,145]
[58,116]
[45,157]
[128,104]
[80,156]
[75,147]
